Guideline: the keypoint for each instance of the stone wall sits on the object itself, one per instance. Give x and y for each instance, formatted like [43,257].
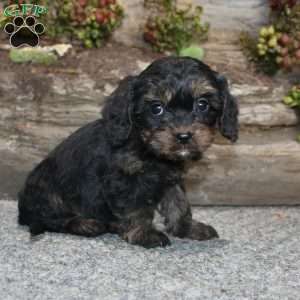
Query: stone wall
[38,109]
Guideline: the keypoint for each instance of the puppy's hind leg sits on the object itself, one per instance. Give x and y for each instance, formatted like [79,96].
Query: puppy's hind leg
[46,212]
[42,208]
[176,210]
[43,213]
[85,226]
[73,225]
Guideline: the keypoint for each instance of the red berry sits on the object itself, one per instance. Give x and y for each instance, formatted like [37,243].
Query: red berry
[149,37]
[286,62]
[279,5]
[296,44]
[105,21]
[82,2]
[284,39]
[297,54]
[109,14]
[291,3]
[106,13]
[79,10]
[99,16]
[102,3]
[284,51]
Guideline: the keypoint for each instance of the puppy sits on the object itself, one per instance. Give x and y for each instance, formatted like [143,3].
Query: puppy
[114,173]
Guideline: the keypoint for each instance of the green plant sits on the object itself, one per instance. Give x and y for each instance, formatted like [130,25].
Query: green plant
[278,44]
[262,51]
[90,21]
[32,55]
[175,28]
[192,51]
[292,99]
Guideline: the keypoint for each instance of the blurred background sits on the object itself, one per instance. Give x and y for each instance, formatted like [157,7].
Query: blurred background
[88,46]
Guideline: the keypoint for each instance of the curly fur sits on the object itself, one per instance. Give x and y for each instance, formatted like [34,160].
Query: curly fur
[112,174]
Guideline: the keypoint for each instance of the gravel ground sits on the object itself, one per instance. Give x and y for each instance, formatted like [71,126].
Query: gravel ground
[257,257]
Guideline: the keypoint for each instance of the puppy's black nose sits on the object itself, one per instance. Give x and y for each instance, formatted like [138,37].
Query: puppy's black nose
[183,138]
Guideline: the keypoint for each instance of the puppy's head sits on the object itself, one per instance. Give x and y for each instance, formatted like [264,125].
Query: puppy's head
[173,107]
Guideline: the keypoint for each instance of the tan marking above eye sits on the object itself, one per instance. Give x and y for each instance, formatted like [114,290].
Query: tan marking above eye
[149,97]
[164,95]
[168,95]
[158,94]
[200,87]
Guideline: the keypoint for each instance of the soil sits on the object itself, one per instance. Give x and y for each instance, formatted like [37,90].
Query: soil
[99,63]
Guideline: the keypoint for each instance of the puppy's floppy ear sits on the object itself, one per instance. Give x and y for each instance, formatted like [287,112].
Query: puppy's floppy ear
[117,112]
[228,121]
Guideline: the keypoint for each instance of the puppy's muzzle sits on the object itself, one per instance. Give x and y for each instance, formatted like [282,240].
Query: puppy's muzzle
[184,138]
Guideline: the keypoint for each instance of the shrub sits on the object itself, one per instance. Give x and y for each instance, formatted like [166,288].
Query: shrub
[175,28]
[90,21]
[292,99]
[278,45]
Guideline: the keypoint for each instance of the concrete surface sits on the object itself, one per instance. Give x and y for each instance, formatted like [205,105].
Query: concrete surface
[13,171]
[257,257]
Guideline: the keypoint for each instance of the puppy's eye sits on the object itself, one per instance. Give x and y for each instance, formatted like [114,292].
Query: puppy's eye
[157,109]
[202,105]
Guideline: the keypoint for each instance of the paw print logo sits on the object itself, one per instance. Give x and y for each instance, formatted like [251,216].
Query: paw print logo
[24,32]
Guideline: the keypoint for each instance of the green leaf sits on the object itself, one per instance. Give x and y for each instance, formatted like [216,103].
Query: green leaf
[193,51]
[32,55]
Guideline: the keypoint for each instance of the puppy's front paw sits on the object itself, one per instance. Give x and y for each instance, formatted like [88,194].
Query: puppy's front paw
[155,238]
[148,238]
[201,232]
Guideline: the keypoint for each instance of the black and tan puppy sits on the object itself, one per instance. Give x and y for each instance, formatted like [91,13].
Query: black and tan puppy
[112,174]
